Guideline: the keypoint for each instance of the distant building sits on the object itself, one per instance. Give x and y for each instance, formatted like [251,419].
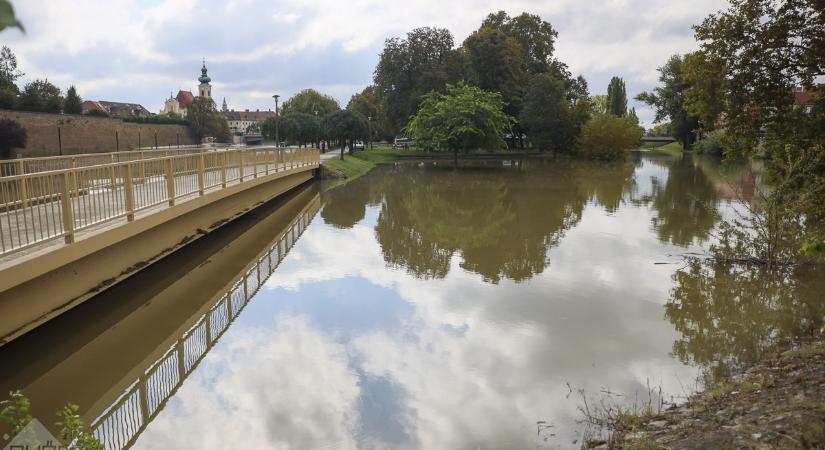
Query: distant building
[116,109]
[179,103]
[239,121]
[804,98]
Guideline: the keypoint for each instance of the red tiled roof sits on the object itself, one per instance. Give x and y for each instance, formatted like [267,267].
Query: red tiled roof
[184,98]
[89,105]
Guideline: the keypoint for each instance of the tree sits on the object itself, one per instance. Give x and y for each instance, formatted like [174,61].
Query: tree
[8,78]
[536,38]
[366,103]
[498,66]
[668,100]
[409,68]
[617,97]
[606,136]
[547,115]
[73,103]
[308,101]
[12,135]
[94,112]
[757,53]
[346,127]
[205,119]
[465,117]
[41,96]
[7,17]
[599,104]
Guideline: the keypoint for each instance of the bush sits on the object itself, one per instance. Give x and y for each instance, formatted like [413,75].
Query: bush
[607,137]
[12,135]
[713,144]
[97,113]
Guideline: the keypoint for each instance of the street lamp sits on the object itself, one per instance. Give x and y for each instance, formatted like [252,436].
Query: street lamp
[317,130]
[369,121]
[277,119]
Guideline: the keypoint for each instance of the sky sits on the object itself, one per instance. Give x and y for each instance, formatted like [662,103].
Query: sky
[140,51]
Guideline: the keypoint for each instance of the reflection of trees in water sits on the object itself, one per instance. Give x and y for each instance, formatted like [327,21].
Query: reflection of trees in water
[345,206]
[729,315]
[685,204]
[502,221]
[606,183]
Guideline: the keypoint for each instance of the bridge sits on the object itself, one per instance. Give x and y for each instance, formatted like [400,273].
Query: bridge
[665,139]
[72,226]
[142,346]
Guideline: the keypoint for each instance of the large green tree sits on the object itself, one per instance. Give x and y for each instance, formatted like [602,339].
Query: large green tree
[41,96]
[498,66]
[346,127]
[548,116]
[409,68]
[535,36]
[205,119]
[366,103]
[464,117]
[308,101]
[73,103]
[668,100]
[617,97]
[8,78]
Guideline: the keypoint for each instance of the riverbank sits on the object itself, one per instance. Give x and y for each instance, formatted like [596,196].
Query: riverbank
[777,403]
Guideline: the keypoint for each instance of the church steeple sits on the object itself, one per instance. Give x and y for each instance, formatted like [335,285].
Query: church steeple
[224,108]
[205,89]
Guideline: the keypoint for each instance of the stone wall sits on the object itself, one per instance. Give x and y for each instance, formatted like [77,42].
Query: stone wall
[85,134]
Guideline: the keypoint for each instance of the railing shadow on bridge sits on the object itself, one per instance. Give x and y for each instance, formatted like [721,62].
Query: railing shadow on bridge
[44,206]
[120,424]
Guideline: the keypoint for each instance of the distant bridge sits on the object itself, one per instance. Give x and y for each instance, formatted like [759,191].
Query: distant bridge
[72,226]
[658,139]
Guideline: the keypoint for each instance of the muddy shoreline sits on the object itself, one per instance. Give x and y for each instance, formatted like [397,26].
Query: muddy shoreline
[777,403]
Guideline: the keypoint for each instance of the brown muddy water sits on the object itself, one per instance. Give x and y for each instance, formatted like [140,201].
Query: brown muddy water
[422,307]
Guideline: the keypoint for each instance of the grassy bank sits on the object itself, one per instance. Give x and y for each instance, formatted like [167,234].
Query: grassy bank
[349,168]
[673,148]
[777,403]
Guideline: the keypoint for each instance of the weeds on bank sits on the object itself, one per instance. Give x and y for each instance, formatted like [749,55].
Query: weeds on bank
[616,418]
[15,412]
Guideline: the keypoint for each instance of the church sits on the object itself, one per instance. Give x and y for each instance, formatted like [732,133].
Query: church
[179,103]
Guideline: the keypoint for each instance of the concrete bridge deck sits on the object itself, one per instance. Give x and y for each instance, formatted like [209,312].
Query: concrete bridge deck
[67,234]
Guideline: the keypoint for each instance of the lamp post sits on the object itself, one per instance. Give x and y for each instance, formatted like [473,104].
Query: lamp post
[369,121]
[317,130]
[277,119]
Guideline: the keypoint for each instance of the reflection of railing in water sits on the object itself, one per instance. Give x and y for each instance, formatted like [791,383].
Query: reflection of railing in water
[119,426]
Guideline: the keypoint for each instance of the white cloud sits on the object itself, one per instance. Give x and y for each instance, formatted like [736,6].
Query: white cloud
[336,42]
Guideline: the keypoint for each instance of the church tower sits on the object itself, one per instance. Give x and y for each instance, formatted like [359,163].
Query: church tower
[224,108]
[205,89]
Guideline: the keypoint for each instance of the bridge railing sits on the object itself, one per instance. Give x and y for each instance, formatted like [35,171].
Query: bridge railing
[48,163]
[49,205]
[120,424]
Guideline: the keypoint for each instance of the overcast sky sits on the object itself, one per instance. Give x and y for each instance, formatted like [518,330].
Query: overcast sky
[141,50]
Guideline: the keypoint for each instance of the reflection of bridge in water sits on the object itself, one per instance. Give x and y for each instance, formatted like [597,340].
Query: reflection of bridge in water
[139,371]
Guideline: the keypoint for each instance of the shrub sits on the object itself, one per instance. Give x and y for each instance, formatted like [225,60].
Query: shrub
[97,113]
[166,119]
[607,137]
[12,135]
[713,144]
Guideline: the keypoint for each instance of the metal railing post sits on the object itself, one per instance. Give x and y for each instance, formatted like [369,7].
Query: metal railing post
[254,164]
[73,165]
[240,164]
[170,182]
[143,399]
[200,173]
[181,358]
[112,173]
[24,191]
[66,207]
[129,193]
[142,168]
[223,169]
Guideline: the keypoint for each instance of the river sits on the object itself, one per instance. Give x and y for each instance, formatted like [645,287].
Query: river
[421,306]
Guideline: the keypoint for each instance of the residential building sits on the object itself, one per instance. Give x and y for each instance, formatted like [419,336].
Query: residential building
[116,109]
[239,121]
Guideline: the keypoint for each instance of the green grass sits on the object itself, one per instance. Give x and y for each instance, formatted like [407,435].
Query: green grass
[673,148]
[351,167]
